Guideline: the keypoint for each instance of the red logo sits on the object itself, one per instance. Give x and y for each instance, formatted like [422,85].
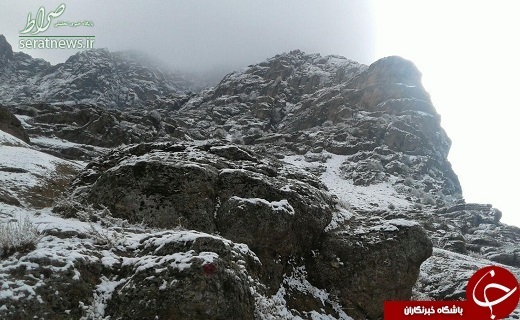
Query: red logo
[493,290]
[492,293]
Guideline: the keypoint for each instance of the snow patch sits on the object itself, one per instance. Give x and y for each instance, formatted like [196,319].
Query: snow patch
[280,206]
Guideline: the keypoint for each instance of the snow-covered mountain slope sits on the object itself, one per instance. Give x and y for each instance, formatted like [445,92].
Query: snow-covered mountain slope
[31,178]
[99,77]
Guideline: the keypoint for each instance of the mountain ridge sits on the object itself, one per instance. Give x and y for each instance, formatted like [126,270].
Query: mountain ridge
[96,76]
[299,187]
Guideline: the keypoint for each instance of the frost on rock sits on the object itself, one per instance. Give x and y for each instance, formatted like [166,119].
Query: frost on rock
[97,77]
[284,305]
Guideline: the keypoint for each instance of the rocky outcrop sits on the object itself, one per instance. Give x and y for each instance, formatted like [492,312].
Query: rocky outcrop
[89,130]
[97,76]
[388,128]
[10,124]
[170,274]
[255,200]
[471,229]
[196,277]
[476,229]
[94,126]
[6,51]
[369,263]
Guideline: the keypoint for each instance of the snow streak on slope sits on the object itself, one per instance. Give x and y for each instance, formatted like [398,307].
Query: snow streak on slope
[9,140]
[358,197]
[352,198]
[22,168]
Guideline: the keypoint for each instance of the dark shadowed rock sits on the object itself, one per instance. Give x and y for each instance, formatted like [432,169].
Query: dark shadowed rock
[6,51]
[8,198]
[10,124]
[371,263]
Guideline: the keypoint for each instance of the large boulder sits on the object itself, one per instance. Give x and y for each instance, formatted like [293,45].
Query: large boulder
[254,201]
[369,263]
[185,275]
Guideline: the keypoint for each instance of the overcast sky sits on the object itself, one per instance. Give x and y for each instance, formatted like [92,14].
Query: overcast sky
[204,35]
[466,50]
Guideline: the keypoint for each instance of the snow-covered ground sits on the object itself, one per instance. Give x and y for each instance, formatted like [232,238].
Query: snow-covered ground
[351,197]
[275,307]
[379,195]
[23,168]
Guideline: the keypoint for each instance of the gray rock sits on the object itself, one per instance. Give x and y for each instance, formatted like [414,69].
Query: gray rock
[96,76]
[211,281]
[370,263]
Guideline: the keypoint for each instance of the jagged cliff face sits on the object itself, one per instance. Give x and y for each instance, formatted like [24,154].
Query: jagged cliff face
[99,77]
[304,186]
[380,117]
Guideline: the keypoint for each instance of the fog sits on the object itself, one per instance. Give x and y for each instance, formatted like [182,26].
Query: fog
[209,36]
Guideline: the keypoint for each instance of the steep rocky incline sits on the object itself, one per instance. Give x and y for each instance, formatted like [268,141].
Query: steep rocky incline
[29,178]
[301,187]
[99,77]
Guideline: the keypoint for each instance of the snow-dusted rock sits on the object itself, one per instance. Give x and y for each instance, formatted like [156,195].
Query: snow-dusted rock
[369,262]
[84,271]
[183,275]
[11,125]
[96,76]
